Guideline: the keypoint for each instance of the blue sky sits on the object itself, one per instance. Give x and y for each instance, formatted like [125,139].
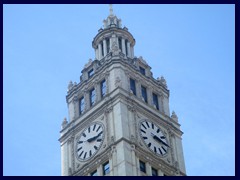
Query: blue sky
[46,46]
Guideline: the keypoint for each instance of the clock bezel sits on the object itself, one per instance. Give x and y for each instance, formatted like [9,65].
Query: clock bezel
[81,134]
[163,133]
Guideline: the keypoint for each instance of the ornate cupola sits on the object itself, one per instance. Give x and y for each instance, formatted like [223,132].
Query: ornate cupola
[112,38]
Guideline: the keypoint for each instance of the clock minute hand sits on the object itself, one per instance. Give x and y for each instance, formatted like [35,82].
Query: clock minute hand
[159,140]
[93,138]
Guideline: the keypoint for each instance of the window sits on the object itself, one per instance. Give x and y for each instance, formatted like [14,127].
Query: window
[102,49]
[108,45]
[92,96]
[155,101]
[81,105]
[94,173]
[90,73]
[144,93]
[103,88]
[120,44]
[132,86]
[106,168]
[142,166]
[154,172]
[142,70]
[126,47]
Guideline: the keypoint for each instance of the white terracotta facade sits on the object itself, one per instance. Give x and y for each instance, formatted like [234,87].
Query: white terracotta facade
[120,112]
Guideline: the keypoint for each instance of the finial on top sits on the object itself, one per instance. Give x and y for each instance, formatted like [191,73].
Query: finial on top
[110,9]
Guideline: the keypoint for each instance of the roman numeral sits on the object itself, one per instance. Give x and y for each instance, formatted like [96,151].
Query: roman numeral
[163,137]
[155,149]
[80,154]
[95,147]
[158,130]
[152,126]
[84,134]
[85,155]
[90,153]
[79,149]
[99,140]
[149,144]
[98,128]
[144,126]
[147,124]
[94,127]
[80,142]
[164,149]
[89,129]
[144,137]
[143,131]
[160,151]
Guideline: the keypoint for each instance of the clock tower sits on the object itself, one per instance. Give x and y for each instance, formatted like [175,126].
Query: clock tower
[119,119]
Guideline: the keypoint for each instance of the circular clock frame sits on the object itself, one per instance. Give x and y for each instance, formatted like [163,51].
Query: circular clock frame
[153,137]
[89,142]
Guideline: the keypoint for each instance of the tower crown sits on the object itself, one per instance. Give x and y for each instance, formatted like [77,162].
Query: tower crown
[113,38]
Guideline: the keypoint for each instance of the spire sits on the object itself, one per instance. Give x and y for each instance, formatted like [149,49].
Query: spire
[110,10]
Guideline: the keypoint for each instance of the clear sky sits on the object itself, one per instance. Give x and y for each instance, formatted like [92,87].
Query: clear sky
[46,46]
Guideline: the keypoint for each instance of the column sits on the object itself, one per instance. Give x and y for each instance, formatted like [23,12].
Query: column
[96,53]
[148,169]
[99,51]
[110,39]
[86,100]
[98,92]
[99,171]
[128,49]
[104,47]
[132,52]
[149,95]
[160,173]
[123,47]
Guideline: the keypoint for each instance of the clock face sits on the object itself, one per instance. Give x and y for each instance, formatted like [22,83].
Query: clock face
[153,138]
[89,141]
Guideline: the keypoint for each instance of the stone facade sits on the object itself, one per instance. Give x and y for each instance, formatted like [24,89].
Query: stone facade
[120,111]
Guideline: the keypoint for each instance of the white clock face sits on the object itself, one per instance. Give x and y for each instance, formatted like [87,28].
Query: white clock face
[153,138]
[89,141]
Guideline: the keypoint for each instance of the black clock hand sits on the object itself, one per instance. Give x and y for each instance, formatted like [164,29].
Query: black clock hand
[94,138]
[159,140]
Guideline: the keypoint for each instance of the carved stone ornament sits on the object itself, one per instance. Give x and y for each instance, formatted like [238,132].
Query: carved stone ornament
[70,85]
[88,64]
[115,50]
[64,123]
[142,60]
[174,116]
[118,82]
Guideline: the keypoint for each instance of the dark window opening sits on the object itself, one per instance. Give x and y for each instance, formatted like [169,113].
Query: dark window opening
[106,168]
[154,172]
[103,88]
[126,47]
[120,44]
[108,45]
[144,93]
[132,86]
[102,49]
[142,70]
[90,73]
[92,96]
[142,166]
[94,173]
[81,105]
[155,101]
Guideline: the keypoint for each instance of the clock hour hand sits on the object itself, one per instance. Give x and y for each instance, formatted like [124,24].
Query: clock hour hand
[159,140]
[94,138]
